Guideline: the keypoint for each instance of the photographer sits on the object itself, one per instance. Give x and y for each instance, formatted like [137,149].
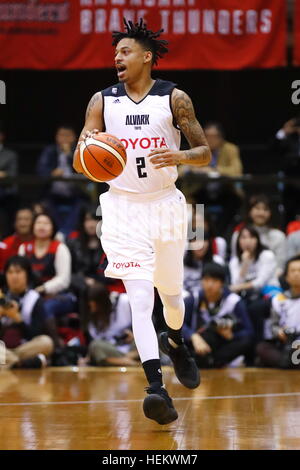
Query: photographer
[284,325]
[22,318]
[216,325]
[62,198]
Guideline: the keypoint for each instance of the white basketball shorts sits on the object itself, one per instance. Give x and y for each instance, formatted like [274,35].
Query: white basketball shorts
[144,236]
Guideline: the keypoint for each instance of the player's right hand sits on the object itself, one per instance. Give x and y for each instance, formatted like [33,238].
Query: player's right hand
[281,335]
[85,135]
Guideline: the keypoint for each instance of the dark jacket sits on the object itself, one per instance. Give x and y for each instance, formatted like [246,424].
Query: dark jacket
[197,315]
[48,160]
[13,334]
[9,164]
[288,150]
[88,263]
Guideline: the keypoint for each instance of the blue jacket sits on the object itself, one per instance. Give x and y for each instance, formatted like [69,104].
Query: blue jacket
[232,304]
[48,160]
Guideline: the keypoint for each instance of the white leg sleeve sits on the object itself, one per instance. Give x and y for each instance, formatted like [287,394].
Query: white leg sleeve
[141,298]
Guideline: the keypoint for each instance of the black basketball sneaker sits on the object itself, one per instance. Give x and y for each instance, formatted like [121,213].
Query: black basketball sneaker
[185,366]
[158,405]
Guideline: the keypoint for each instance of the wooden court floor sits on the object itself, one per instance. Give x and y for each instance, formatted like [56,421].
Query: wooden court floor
[93,408]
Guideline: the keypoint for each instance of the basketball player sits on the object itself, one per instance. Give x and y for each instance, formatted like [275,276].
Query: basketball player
[148,115]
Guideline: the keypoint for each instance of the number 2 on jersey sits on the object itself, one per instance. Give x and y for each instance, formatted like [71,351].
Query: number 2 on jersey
[140,163]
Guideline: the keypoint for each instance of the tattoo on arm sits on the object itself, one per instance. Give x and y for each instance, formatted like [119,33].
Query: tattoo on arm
[93,101]
[184,113]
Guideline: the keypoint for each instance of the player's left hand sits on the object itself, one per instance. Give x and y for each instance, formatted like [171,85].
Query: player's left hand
[12,311]
[165,157]
[129,338]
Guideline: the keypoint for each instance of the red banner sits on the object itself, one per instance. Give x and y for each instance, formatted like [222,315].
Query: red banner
[297,34]
[203,34]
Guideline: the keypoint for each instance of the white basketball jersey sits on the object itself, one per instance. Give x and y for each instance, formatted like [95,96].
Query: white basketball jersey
[142,127]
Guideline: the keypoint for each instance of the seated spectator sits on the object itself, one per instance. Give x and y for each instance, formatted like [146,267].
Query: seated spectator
[278,348]
[109,329]
[252,273]
[260,215]
[225,155]
[216,325]
[254,265]
[51,264]
[287,147]
[221,195]
[8,167]
[88,258]
[23,324]
[23,233]
[198,254]
[63,199]
[86,251]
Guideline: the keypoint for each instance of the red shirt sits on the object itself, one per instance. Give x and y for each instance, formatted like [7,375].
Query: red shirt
[44,266]
[11,248]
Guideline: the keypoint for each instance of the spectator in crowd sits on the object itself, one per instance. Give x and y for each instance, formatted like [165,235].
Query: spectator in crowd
[260,216]
[109,329]
[287,146]
[254,266]
[23,324]
[216,324]
[23,233]
[51,263]
[218,195]
[88,258]
[63,198]
[284,326]
[253,274]
[198,254]
[8,167]
[86,250]
[225,155]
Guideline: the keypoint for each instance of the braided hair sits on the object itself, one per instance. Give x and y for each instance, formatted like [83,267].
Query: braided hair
[145,37]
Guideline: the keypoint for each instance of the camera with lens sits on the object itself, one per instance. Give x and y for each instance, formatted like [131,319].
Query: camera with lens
[291,333]
[227,321]
[5,301]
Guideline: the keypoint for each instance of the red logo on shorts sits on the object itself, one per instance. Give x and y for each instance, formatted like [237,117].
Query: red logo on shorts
[131,264]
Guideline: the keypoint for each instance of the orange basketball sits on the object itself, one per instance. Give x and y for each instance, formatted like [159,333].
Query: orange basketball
[102,157]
